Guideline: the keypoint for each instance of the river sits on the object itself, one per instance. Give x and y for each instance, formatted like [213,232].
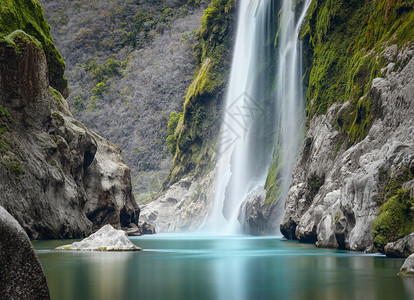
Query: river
[183,266]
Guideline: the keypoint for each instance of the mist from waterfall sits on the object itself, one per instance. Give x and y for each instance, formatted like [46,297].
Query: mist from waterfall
[264,110]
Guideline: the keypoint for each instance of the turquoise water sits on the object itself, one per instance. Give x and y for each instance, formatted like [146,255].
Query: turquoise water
[205,267]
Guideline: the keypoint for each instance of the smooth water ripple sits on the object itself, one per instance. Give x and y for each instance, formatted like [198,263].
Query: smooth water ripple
[174,266]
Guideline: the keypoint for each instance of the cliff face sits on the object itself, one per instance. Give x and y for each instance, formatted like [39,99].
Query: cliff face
[57,178]
[190,185]
[358,150]
[128,65]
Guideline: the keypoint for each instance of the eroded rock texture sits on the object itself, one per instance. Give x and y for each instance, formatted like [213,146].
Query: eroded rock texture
[337,189]
[57,178]
[21,275]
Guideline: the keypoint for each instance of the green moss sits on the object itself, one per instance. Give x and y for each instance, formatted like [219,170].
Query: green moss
[55,94]
[315,182]
[273,181]
[14,167]
[27,15]
[5,117]
[78,103]
[196,133]
[395,220]
[345,39]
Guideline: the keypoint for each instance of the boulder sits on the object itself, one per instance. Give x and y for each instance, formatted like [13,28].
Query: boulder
[408,266]
[255,213]
[404,247]
[21,275]
[105,239]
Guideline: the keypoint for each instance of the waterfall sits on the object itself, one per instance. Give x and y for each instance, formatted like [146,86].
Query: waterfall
[264,107]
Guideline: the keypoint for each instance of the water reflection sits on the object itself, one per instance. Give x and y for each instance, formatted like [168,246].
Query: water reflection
[189,267]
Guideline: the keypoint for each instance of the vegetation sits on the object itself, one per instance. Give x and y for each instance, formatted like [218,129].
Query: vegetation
[197,129]
[128,65]
[27,15]
[5,117]
[345,40]
[396,216]
[396,219]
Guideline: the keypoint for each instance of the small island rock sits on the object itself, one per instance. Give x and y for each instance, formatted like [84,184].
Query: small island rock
[105,239]
[408,266]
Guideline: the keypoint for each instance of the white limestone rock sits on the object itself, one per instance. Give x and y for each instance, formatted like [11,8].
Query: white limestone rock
[105,239]
[408,267]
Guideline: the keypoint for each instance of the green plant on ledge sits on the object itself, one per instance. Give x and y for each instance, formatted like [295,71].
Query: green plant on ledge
[395,220]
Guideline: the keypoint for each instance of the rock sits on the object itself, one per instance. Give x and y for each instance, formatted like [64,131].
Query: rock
[21,274]
[254,214]
[132,230]
[404,247]
[335,192]
[408,266]
[183,207]
[105,239]
[57,178]
[146,228]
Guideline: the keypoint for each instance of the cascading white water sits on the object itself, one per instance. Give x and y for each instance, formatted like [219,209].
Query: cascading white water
[251,115]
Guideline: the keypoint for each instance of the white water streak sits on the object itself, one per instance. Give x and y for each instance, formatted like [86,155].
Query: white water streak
[237,176]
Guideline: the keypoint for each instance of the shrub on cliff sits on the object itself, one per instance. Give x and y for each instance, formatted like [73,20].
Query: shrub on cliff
[396,219]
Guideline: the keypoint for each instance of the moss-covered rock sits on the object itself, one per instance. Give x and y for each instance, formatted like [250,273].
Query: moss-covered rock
[27,15]
[396,219]
[197,130]
[345,39]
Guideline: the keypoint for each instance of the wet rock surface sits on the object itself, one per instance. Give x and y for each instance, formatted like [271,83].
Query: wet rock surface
[21,275]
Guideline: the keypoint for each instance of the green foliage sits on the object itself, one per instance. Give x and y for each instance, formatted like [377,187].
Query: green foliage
[345,39]
[100,89]
[5,117]
[14,167]
[171,141]
[101,73]
[198,128]
[314,184]
[55,94]
[395,220]
[391,183]
[273,181]
[78,103]
[28,16]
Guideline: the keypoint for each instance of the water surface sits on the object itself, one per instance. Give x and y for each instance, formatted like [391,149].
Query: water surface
[223,267]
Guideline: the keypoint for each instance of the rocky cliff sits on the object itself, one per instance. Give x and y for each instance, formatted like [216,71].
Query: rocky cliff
[188,190]
[57,178]
[21,274]
[350,180]
[128,65]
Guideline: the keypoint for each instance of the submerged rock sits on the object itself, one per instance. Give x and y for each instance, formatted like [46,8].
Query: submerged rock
[408,266]
[21,275]
[105,239]
[402,248]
